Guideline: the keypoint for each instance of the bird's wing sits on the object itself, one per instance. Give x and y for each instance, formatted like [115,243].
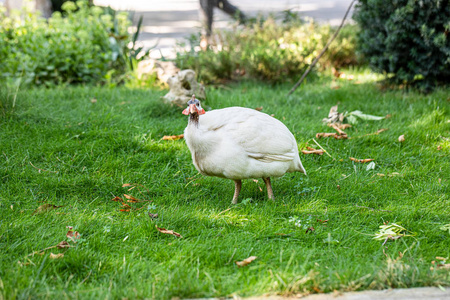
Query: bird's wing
[263,137]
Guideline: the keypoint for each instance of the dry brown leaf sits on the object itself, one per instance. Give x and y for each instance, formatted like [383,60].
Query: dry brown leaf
[361,160]
[74,236]
[439,148]
[340,125]
[259,108]
[63,244]
[401,138]
[126,184]
[245,261]
[338,129]
[324,134]
[125,206]
[163,230]
[45,207]
[310,229]
[322,221]
[131,198]
[117,198]
[153,216]
[125,210]
[315,151]
[341,137]
[173,137]
[56,256]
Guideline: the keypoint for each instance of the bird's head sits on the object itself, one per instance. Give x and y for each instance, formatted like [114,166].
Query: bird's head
[194,107]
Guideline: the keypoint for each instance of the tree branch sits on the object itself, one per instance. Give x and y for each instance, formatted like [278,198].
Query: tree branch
[323,51]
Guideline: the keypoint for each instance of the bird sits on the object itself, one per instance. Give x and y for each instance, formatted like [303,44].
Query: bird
[240,143]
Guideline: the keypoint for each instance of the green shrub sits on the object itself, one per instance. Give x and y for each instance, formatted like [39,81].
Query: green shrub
[79,46]
[407,39]
[270,50]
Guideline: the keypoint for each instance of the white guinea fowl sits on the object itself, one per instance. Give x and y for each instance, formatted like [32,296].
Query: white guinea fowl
[239,143]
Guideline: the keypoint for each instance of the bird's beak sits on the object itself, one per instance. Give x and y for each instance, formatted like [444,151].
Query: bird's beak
[192,108]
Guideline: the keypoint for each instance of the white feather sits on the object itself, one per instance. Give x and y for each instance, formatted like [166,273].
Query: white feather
[239,143]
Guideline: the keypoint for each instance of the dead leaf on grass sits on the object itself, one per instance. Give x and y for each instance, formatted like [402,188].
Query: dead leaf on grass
[339,125]
[361,160]
[117,198]
[325,134]
[401,138]
[171,232]
[56,256]
[259,108]
[153,216]
[245,261]
[63,244]
[126,184]
[315,151]
[173,137]
[44,208]
[131,198]
[74,236]
[310,229]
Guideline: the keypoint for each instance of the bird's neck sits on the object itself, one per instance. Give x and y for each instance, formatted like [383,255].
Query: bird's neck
[193,119]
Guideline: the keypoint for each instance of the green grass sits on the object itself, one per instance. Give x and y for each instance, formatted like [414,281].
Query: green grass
[86,151]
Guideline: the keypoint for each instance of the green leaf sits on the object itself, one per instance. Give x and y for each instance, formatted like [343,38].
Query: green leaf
[359,114]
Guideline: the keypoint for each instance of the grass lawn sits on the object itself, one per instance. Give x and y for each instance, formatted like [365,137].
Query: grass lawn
[62,147]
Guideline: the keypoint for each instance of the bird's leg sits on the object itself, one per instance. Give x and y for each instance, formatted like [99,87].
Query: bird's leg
[237,190]
[269,188]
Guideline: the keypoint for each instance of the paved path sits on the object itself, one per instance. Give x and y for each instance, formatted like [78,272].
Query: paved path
[427,293]
[169,21]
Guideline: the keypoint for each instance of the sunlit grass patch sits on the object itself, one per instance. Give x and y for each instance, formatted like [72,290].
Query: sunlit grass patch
[60,148]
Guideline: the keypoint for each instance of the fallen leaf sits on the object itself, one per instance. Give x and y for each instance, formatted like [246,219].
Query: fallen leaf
[338,129]
[173,137]
[339,125]
[74,236]
[163,230]
[322,221]
[56,256]
[126,184]
[131,198]
[359,114]
[126,206]
[315,151]
[259,108]
[439,148]
[370,166]
[153,216]
[381,174]
[401,138]
[44,208]
[117,198]
[245,261]
[310,229]
[390,231]
[125,210]
[325,134]
[334,116]
[63,244]
[361,160]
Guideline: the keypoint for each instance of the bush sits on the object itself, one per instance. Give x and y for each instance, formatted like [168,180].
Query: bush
[270,50]
[407,39]
[82,45]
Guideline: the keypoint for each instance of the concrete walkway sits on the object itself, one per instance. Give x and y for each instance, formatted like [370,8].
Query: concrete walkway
[169,21]
[427,293]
